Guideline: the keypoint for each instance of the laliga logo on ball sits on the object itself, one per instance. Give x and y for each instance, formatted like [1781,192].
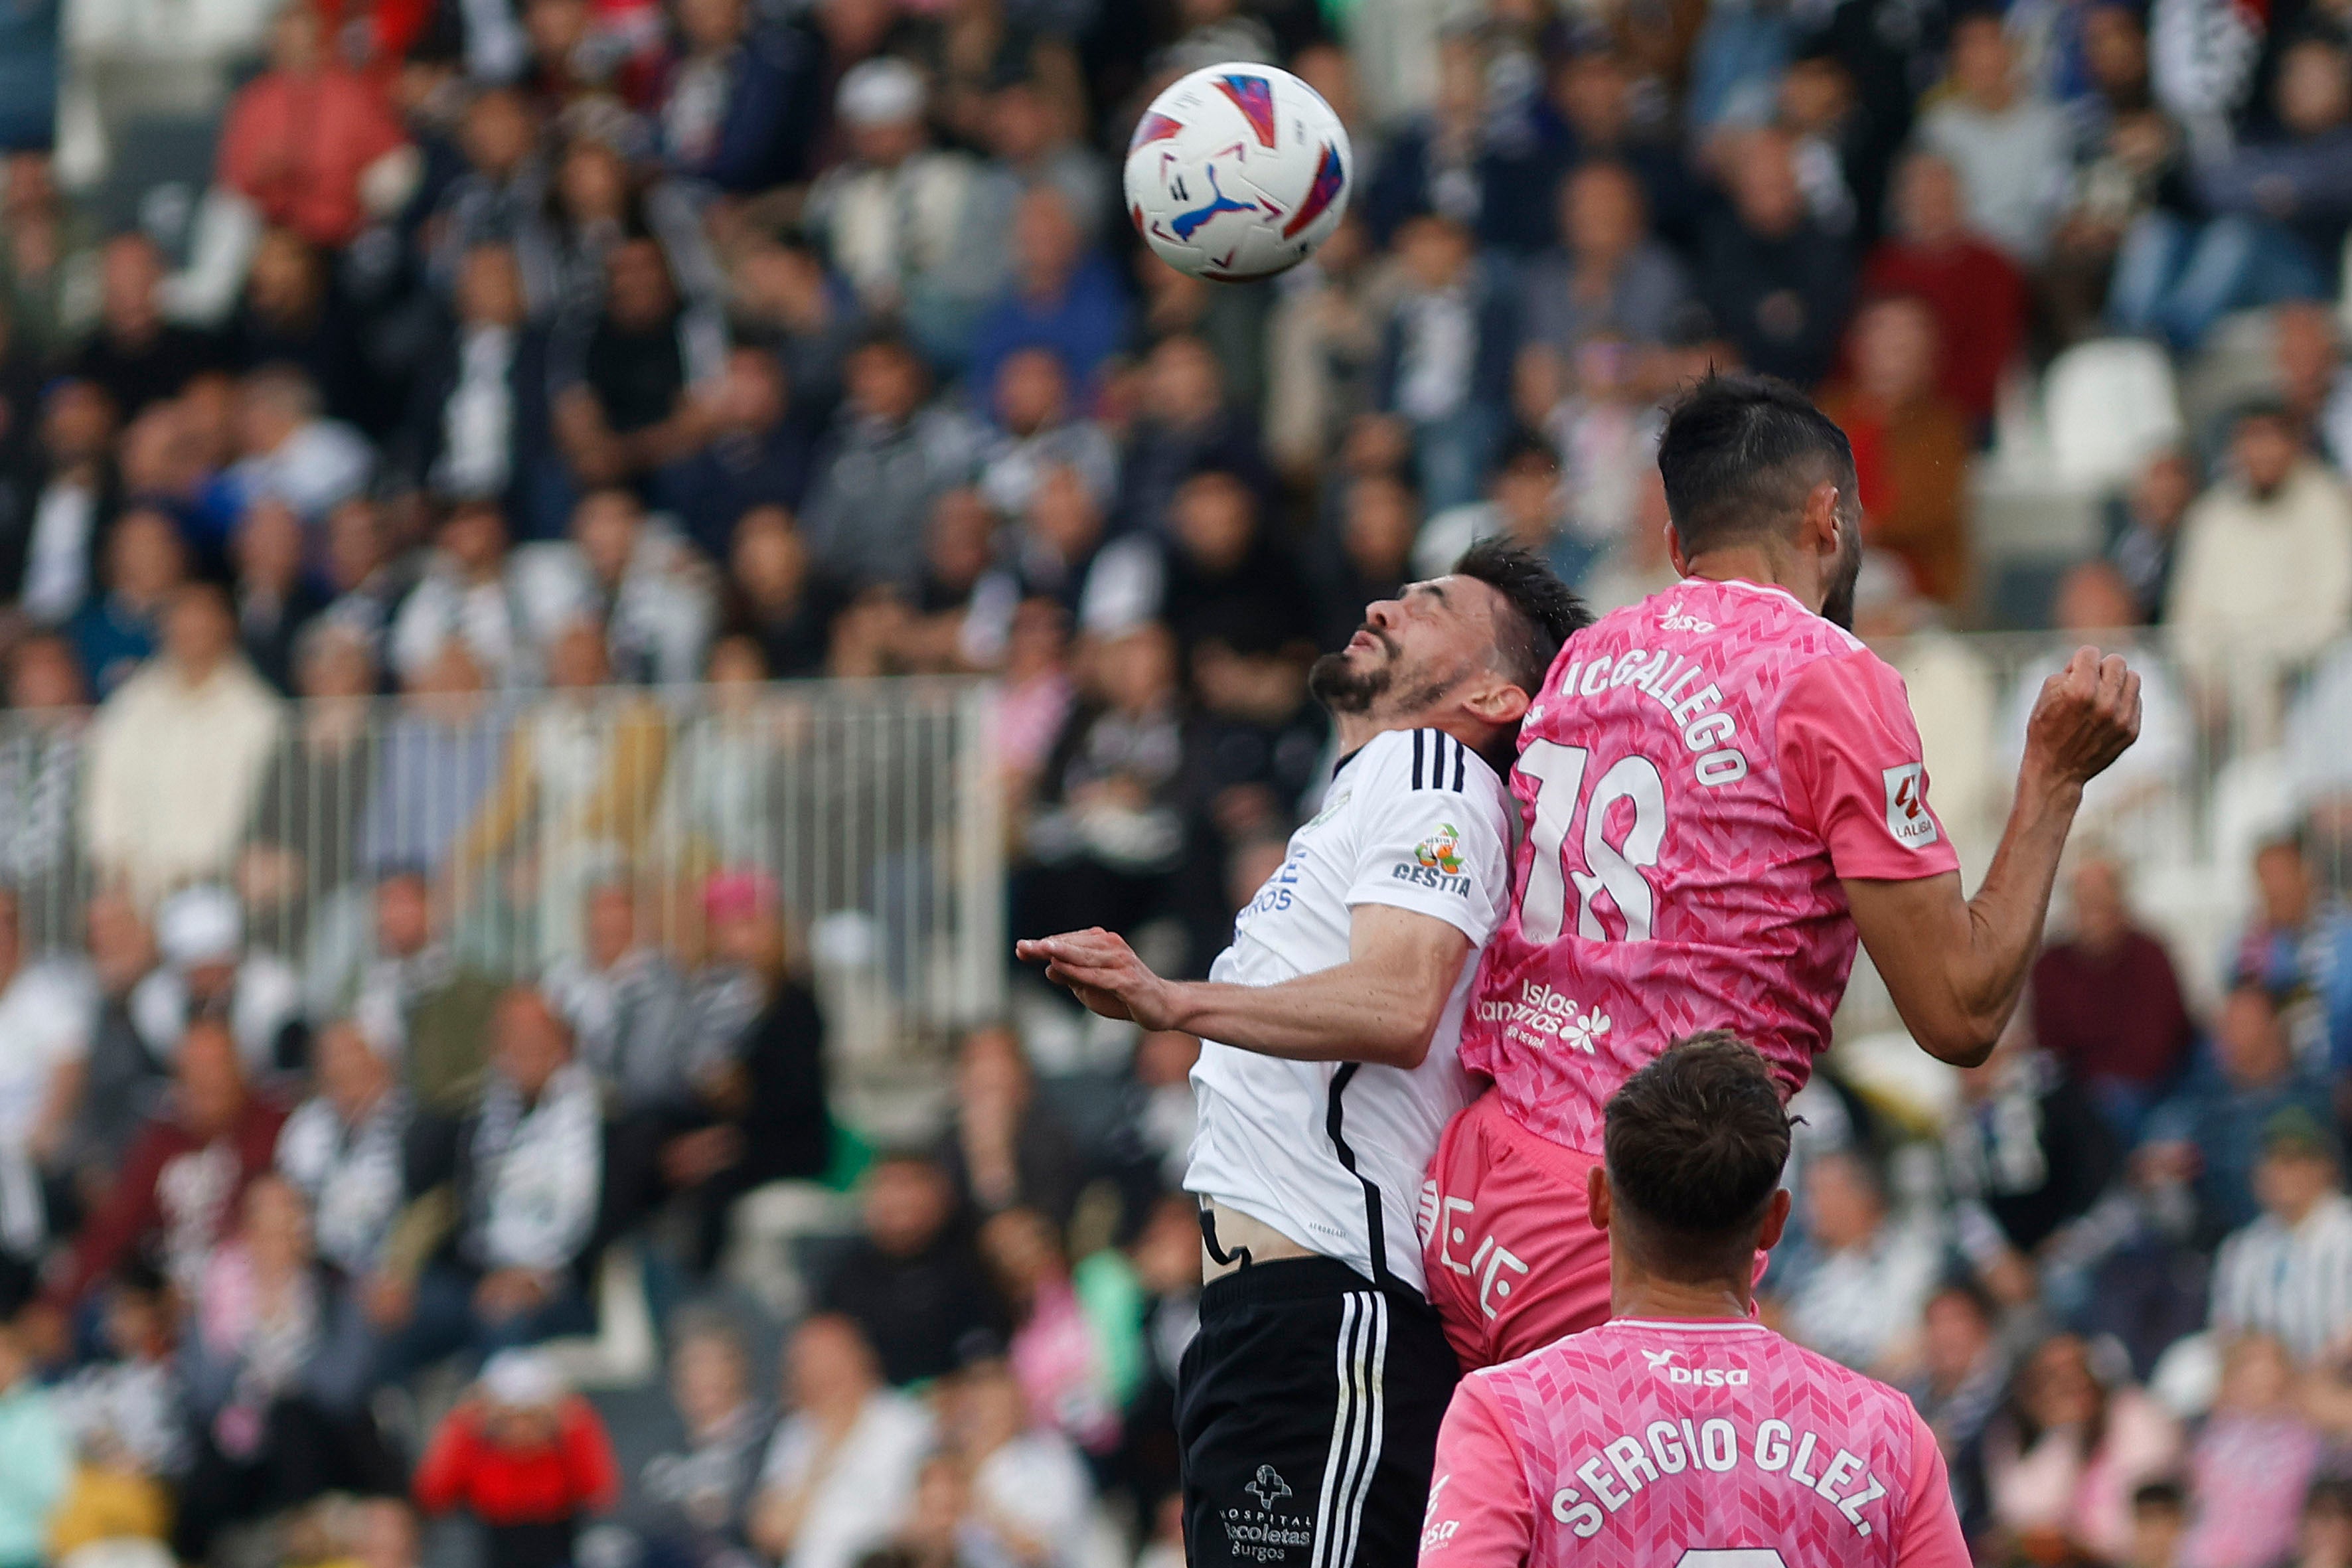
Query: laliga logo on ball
[1237,172]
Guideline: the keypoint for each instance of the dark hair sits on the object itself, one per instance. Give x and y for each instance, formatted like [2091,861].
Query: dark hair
[1543,611]
[1695,1144]
[1738,455]
[2331,1493]
[2164,1495]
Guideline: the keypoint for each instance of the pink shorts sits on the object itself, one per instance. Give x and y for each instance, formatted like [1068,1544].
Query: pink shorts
[1513,1262]
[1506,1238]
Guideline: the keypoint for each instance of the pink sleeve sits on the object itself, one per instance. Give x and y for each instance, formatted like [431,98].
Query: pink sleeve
[1931,1528]
[1479,1512]
[1850,761]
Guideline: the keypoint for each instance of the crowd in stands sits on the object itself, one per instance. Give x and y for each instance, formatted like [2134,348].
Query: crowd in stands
[394,552]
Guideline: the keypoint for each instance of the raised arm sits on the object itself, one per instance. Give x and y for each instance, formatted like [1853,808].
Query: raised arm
[1381,1006]
[1954,966]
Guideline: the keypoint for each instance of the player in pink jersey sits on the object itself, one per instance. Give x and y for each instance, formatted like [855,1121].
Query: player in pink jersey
[1681,1434]
[1720,788]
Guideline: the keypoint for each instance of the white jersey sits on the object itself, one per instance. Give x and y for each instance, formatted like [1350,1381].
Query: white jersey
[1331,1154]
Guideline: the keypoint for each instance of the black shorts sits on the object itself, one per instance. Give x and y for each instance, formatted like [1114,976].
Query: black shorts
[1308,1410]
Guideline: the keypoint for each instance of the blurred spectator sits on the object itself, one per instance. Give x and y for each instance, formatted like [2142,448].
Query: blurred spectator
[758,453]
[290,314]
[1038,430]
[1963,1377]
[2264,566]
[779,604]
[207,971]
[648,359]
[2026,1156]
[1106,832]
[2213,1130]
[895,214]
[275,596]
[176,755]
[185,1175]
[116,630]
[742,104]
[2293,947]
[1485,155]
[1186,425]
[1610,275]
[300,867]
[1057,552]
[305,141]
[48,261]
[1857,1293]
[1323,341]
[40,759]
[53,563]
[2253,1463]
[911,1282]
[46,1010]
[623,1003]
[471,596]
[1910,444]
[1445,356]
[416,1000]
[2159,1520]
[631,575]
[135,356]
[843,1464]
[277,1367]
[577,792]
[529,1172]
[1063,296]
[2009,146]
[2288,1275]
[440,756]
[1372,556]
[1778,283]
[1057,1354]
[1030,1491]
[2308,361]
[2066,1456]
[2106,1003]
[126,1413]
[1004,1149]
[2324,1539]
[344,1150]
[1523,506]
[36,1455]
[1974,290]
[890,453]
[693,1502]
[290,450]
[478,424]
[1228,580]
[2278,213]
[2144,528]
[122,1080]
[1638,564]
[524,1456]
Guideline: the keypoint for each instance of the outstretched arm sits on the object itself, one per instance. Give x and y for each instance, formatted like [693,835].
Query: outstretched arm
[1955,966]
[1381,1006]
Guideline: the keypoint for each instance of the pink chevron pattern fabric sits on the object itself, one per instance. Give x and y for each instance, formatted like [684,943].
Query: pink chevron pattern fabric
[1699,772]
[1706,1443]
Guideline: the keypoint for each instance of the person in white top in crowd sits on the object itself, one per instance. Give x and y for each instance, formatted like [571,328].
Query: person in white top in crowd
[45,1008]
[199,933]
[342,1149]
[2289,1274]
[843,1464]
[1031,1497]
[176,758]
[1328,1070]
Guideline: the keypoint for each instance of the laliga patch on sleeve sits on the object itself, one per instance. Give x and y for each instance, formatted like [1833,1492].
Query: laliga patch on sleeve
[1907,817]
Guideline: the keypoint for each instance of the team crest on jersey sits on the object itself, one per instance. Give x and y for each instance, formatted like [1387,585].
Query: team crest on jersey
[1442,850]
[1907,817]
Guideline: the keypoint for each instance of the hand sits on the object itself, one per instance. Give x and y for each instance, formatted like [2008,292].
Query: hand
[1103,972]
[2087,714]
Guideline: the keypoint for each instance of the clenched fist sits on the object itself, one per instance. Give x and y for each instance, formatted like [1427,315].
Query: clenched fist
[2088,715]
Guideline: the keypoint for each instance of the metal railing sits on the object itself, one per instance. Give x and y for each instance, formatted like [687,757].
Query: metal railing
[867,814]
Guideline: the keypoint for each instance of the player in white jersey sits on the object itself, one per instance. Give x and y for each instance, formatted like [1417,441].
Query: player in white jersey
[1308,1405]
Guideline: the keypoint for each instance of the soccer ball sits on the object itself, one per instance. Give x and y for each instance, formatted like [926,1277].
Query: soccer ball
[1237,172]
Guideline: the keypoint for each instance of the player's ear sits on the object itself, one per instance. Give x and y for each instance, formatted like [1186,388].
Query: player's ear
[1823,523]
[1776,1219]
[1596,1197]
[1675,550]
[1496,702]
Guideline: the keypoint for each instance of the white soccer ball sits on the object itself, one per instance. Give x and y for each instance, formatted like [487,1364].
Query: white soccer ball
[1238,172]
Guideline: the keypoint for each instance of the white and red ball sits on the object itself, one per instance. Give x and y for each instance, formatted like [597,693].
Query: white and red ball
[1238,172]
